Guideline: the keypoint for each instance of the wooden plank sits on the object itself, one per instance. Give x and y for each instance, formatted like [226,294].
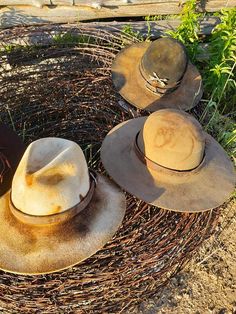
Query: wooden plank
[58,2]
[216,5]
[91,3]
[157,28]
[43,35]
[210,4]
[29,15]
[35,3]
[26,15]
[110,3]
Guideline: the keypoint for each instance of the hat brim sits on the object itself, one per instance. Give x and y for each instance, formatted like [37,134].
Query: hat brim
[28,249]
[193,191]
[131,85]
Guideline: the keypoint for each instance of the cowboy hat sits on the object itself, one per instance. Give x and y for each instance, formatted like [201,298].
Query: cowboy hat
[167,160]
[11,151]
[58,213]
[157,75]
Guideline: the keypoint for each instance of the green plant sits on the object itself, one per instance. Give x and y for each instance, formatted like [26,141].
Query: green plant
[187,31]
[128,31]
[69,39]
[153,18]
[8,48]
[222,127]
[219,72]
[12,48]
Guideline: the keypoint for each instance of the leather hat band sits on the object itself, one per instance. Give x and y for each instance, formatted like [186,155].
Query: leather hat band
[159,87]
[59,217]
[157,167]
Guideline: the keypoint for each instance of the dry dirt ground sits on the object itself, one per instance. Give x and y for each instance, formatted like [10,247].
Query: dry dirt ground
[207,284]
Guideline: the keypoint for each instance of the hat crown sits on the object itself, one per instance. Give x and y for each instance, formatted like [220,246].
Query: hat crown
[172,139]
[166,58]
[51,177]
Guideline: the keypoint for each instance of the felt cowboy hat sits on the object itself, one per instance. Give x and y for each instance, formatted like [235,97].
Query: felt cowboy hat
[11,151]
[58,213]
[167,160]
[157,75]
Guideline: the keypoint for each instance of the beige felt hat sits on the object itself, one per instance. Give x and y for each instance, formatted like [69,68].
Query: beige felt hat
[58,213]
[167,160]
[157,75]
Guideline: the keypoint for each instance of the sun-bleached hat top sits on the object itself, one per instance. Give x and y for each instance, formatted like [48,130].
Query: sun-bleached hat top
[157,75]
[52,177]
[166,159]
[58,212]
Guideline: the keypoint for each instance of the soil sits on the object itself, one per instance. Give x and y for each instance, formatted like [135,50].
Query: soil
[207,284]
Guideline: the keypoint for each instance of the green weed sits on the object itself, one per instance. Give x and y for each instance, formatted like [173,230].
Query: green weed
[129,31]
[187,31]
[222,127]
[219,73]
[69,39]
[8,48]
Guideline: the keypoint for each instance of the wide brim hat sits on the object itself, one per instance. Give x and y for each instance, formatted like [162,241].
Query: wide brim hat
[11,151]
[204,188]
[27,249]
[130,83]
[38,244]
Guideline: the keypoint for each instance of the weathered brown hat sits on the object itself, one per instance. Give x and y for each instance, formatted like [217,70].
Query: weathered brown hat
[58,213]
[167,160]
[157,75]
[11,151]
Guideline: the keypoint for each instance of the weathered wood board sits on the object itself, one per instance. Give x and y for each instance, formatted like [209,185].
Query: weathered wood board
[71,11]
[91,3]
[153,30]
[47,34]
[111,3]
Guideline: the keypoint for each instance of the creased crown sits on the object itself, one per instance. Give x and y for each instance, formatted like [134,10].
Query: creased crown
[51,177]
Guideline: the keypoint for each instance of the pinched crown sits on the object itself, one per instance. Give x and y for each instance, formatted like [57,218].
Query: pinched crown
[52,177]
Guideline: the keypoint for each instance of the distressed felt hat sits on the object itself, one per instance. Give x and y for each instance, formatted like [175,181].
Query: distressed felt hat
[58,213]
[157,75]
[167,160]
[11,151]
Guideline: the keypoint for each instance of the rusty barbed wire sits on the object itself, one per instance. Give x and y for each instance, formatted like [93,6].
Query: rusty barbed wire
[65,89]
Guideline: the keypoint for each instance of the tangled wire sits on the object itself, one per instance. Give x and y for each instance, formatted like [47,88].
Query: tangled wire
[65,90]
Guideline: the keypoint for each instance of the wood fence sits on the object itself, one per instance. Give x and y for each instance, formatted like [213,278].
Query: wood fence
[28,12]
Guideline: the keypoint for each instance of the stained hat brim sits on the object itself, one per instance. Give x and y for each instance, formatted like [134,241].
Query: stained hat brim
[130,84]
[28,249]
[204,188]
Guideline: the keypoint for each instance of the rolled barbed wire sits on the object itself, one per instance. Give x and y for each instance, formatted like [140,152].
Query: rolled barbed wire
[64,89]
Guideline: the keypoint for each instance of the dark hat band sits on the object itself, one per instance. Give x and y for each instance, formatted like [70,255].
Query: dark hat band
[160,88]
[157,167]
[59,217]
